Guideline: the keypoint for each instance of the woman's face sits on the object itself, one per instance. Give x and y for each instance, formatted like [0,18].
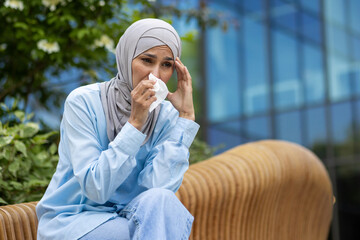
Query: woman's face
[157,60]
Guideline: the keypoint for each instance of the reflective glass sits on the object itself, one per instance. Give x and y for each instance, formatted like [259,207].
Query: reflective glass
[335,11]
[355,45]
[337,40]
[256,92]
[313,5]
[284,14]
[354,7]
[288,127]
[316,131]
[342,129]
[286,72]
[224,140]
[257,128]
[223,73]
[355,50]
[340,80]
[357,134]
[311,27]
[254,6]
[313,74]
[348,200]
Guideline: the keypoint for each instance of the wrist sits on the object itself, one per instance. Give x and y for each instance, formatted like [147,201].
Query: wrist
[190,116]
[137,125]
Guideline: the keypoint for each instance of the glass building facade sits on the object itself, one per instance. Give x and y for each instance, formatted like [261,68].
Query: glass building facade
[289,70]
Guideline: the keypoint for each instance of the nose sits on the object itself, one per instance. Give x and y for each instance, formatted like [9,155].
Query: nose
[156,71]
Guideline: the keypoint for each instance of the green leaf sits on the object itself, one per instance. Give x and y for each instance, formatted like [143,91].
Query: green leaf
[20,115]
[14,167]
[21,25]
[41,138]
[3,105]
[5,140]
[82,32]
[2,201]
[53,149]
[16,185]
[20,146]
[29,130]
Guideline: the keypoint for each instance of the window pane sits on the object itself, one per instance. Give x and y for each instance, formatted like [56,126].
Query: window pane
[286,73]
[254,6]
[288,127]
[313,5]
[348,200]
[257,128]
[342,131]
[354,7]
[313,74]
[335,11]
[357,134]
[284,14]
[256,92]
[337,40]
[220,136]
[222,66]
[316,131]
[310,27]
[339,74]
[355,45]
[355,49]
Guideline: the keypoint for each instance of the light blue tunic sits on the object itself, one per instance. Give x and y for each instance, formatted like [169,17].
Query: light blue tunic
[95,179]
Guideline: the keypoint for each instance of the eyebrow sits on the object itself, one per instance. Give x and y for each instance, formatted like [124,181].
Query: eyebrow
[154,56]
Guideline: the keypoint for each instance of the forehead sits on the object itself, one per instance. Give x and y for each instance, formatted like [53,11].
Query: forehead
[160,50]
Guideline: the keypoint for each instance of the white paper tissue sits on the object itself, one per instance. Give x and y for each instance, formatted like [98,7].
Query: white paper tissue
[161,91]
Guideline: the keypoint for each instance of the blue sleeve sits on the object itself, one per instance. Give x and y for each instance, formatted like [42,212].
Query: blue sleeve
[99,171]
[169,159]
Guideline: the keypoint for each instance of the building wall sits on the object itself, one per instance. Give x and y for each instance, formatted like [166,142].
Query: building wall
[290,70]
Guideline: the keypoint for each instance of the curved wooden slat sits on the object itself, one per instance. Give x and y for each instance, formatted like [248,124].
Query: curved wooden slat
[271,190]
[262,190]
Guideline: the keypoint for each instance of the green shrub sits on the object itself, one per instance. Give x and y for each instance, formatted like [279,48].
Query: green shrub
[28,157]
[200,151]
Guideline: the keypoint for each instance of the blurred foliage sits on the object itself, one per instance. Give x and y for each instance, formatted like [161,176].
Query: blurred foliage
[28,157]
[40,39]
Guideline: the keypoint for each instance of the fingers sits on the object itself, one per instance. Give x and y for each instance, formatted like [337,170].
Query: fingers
[144,94]
[182,72]
[180,69]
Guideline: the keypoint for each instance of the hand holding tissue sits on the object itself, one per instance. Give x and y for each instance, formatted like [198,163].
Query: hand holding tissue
[160,89]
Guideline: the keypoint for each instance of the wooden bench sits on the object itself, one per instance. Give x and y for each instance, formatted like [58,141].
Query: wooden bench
[271,190]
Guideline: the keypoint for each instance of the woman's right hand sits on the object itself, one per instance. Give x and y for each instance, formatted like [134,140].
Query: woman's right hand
[142,97]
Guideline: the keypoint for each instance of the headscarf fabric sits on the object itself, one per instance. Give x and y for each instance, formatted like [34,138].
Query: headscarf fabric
[116,93]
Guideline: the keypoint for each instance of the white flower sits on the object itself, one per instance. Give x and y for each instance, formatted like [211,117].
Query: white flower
[3,46]
[48,47]
[105,41]
[52,3]
[14,4]
[101,3]
[92,8]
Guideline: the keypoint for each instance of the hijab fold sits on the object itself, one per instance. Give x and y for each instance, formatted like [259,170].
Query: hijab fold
[116,93]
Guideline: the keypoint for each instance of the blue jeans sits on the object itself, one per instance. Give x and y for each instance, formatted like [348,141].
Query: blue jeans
[154,214]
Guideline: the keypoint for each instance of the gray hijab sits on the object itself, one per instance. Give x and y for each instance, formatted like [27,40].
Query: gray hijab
[115,94]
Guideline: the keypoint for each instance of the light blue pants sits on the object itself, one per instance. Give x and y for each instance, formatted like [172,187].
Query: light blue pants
[154,214]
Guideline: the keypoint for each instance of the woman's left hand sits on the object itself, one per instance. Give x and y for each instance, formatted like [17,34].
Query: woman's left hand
[182,98]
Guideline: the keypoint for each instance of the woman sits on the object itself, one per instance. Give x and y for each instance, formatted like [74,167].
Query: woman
[119,165]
